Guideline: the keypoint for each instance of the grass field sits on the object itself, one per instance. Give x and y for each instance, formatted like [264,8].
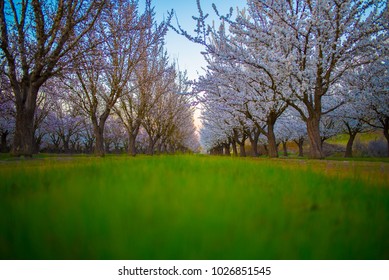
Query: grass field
[365,138]
[193,207]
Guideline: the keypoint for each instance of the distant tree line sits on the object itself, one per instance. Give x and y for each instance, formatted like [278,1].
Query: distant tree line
[293,71]
[90,76]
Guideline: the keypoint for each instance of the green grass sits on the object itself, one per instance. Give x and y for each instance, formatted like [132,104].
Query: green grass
[193,207]
[341,139]
[366,159]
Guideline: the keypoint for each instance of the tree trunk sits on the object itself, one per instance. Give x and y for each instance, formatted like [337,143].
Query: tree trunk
[285,148]
[24,134]
[234,149]
[271,139]
[313,129]
[88,144]
[66,148]
[24,127]
[254,145]
[3,145]
[386,133]
[242,150]
[168,148]
[227,150]
[37,143]
[300,144]
[219,150]
[98,128]
[55,140]
[265,149]
[107,146]
[159,148]
[132,145]
[99,145]
[349,146]
[150,148]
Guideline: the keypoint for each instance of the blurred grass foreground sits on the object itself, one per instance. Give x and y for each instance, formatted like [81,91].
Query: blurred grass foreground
[193,207]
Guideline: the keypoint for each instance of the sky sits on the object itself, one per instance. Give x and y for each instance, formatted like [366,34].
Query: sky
[179,48]
[186,53]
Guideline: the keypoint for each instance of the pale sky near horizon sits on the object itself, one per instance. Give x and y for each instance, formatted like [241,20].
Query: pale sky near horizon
[179,48]
[188,54]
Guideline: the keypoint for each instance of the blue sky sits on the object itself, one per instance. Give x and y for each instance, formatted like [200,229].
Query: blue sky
[178,47]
